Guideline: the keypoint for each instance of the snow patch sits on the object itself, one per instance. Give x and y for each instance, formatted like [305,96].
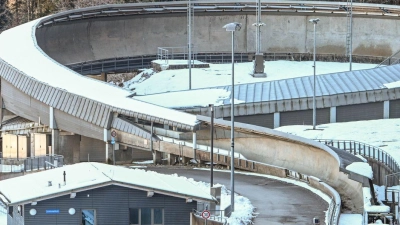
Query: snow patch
[361,168]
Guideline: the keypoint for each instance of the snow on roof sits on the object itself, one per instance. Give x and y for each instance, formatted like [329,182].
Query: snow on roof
[182,99]
[19,48]
[361,168]
[84,176]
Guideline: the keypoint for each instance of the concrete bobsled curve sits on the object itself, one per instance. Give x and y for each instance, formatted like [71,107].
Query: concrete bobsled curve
[288,151]
[35,84]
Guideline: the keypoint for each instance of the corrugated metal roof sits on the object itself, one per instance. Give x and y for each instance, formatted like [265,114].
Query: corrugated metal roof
[130,128]
[328,84]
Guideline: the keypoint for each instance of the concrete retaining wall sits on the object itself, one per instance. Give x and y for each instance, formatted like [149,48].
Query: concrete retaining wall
[101,38]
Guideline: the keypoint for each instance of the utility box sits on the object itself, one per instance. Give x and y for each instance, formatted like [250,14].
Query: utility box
[41,143]
[259,66]
[10,146]
[23,146]
[216,192]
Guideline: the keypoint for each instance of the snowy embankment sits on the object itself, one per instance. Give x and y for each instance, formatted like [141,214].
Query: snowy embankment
[382,133]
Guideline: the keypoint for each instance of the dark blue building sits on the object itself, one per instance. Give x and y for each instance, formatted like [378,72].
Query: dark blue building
[100,194]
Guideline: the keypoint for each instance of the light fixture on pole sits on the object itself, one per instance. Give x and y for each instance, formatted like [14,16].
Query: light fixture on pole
[258,67]
[314,21]
[212,144]
[232,27]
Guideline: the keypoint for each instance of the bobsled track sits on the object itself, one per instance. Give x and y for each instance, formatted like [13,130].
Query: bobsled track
[37,84]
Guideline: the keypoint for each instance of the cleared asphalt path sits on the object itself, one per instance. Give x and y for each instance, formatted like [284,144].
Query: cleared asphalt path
[276,202]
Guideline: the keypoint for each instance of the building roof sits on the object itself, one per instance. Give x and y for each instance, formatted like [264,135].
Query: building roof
[327,84]
[89,175]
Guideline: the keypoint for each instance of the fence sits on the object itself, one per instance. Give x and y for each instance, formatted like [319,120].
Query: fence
[391,60]
[369,151]
[129,64]
[215,215]
[10,165]
[174,53]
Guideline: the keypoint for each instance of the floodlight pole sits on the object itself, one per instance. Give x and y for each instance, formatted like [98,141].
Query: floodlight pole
[190,43]
[351,35]
[232,27]
[314,21]
[212,144]
[232,127]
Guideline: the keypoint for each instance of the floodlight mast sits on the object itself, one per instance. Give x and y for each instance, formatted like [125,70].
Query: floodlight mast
[232,27]
[315,22]
[258,65]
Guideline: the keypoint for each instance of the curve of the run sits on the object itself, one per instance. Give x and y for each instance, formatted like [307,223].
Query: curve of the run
[48,86]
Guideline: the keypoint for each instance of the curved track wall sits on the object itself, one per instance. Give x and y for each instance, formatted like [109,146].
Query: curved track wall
[109,37]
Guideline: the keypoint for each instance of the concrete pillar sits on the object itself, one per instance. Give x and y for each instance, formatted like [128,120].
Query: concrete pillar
[1,109]
[32,143]
[103,77]
[194,145]
[55,133]
[55,144]
[172,159]
[106,138]
[333,114]
[185,160]
[151,136]
[157,157]
[277,119]
[386,108]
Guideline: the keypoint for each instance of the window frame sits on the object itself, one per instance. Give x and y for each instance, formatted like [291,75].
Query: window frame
[152,216]
[11,211]
[94,215]
[20,209]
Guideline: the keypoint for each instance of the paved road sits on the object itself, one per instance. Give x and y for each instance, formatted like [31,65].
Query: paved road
[276,202]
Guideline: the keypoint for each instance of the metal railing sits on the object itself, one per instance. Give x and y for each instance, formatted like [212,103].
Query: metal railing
[180,52]
[215,215]
[363,149]
[391,60]
[129,64]
[11,165]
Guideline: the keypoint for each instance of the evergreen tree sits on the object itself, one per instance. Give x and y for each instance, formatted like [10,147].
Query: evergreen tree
[5,15]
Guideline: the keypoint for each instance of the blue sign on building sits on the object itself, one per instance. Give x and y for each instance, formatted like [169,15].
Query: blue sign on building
[52,211]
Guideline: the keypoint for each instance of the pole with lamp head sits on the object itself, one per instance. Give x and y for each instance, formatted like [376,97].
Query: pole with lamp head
[232,27]
[314,21]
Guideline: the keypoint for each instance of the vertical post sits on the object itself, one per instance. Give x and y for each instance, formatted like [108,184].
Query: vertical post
[151,137]
[314,21]
[194,144]
[351,35]
[113,149]
[190,43]
[314,113]
[258,30]
[232,128]
[212,144]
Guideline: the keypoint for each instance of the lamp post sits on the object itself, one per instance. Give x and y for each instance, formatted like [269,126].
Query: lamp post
[232,27]
[212,144]
[314,21]
[190,43]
